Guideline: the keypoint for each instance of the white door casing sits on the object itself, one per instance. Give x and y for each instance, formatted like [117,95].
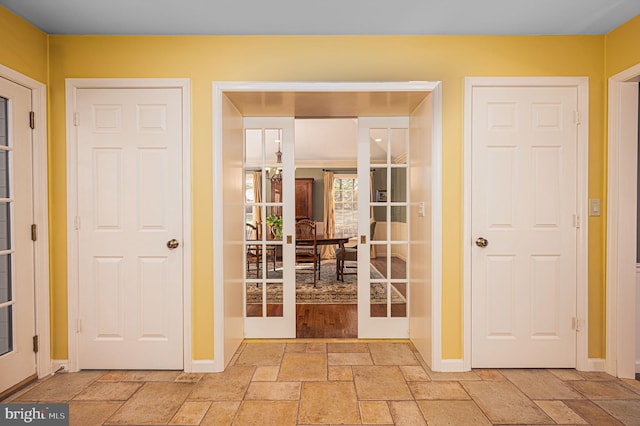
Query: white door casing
[383,144]
[221,261]
[130,204]
[17,263]
[622,172]
[524,204]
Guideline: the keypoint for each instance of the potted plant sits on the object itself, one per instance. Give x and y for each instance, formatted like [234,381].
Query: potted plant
[275,224]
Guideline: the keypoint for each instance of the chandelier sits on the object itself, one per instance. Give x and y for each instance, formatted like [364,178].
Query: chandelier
[275,173]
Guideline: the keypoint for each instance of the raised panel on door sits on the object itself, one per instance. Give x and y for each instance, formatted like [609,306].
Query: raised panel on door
[130,207]
[523,204]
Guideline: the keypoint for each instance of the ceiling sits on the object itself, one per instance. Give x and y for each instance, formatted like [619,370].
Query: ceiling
[328,17]
[326,104]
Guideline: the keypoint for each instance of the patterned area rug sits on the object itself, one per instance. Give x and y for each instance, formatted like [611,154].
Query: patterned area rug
[328,289]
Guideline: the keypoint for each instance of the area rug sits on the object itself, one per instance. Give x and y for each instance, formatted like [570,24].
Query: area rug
[327,290]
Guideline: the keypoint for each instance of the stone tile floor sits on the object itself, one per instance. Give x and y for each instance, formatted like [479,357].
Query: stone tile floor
[339,382]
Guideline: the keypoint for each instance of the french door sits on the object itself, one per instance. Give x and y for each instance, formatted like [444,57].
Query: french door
[17,303]
[269,210]
[383,227]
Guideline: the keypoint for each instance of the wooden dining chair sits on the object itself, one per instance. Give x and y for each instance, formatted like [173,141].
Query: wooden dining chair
[253,254]
[350,254]
[308,252]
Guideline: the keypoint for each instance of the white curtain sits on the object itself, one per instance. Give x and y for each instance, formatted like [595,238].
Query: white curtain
[329,252]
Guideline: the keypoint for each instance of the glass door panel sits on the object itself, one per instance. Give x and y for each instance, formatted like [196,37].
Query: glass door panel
[383,170]
[6,291]
[268,209]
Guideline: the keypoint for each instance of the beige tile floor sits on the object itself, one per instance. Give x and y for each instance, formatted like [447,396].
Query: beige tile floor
[339,382]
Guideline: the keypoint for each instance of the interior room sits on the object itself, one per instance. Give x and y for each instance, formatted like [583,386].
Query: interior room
[71,83]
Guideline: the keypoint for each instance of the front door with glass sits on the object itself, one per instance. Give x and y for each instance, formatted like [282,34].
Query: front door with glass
[17,303]
[269,209]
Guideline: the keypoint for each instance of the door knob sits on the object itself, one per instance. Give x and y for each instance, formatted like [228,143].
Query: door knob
[173,244]
[482,242]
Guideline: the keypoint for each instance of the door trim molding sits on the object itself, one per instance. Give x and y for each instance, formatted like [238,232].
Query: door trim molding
[620,272]
[41,214]
[71,87]
[219,89]
[582,170]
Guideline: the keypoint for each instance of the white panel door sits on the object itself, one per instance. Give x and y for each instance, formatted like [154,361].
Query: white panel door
[269,254]
[17,303]
[524,145]
[383,227]
[130,228]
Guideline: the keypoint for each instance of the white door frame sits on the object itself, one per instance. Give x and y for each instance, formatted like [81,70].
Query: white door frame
[72,85]
[621,241]
[218,258]
[582,84]
[41,214]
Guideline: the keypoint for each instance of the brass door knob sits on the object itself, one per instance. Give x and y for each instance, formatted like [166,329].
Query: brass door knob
[172,244]
[482,242]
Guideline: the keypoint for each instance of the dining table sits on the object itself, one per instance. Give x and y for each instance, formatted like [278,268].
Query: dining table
[325,240]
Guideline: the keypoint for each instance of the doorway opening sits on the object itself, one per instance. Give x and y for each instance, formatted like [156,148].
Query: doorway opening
[622,272]
[326,191]
[416,103]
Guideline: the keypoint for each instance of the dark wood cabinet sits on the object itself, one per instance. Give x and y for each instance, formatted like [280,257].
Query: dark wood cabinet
[304,197]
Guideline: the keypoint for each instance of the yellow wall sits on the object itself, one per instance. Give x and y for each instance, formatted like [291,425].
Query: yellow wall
[204,59]
[23,47]
[623,47]
[212,58]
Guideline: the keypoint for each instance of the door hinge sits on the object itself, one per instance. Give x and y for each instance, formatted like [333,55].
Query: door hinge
[32,120]
[577,117]
[34,232]
[78,325]
[576,221]
[35,343]
[76,118]
[76,222]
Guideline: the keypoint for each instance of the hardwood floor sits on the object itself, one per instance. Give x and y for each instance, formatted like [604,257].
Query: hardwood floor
[337,320]
[324,321]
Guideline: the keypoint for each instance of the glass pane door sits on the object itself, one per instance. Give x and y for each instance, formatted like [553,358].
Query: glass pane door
[383,253]
[269,284]
[17,315]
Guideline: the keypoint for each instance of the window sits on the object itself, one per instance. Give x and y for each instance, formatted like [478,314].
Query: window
[249,197]
[345,197]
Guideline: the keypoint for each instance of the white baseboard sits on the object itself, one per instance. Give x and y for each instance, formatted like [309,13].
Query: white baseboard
[203,366]
[451,366]
[57,364]
[595,364]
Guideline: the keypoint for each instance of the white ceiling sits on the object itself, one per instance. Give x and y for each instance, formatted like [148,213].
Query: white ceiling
[327,17]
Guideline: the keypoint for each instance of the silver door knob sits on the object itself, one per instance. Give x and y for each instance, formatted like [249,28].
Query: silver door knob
[173,244]
[482,242]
